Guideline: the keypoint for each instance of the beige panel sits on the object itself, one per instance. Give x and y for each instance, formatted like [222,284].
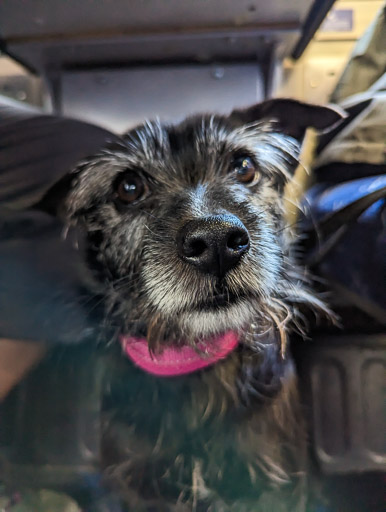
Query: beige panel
[313,77]
[364,12]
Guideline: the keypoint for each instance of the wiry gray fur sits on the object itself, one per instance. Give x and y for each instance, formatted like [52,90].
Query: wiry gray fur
[182,444]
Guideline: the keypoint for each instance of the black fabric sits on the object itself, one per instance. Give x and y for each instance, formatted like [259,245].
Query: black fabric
[44,284]
[37,150]
[339,172]
[345,244]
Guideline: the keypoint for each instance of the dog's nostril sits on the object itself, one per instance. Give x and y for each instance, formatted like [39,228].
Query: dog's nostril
[238,241]
[194,247]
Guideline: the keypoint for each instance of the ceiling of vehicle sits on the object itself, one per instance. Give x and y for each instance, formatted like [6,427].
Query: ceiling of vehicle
[54,35]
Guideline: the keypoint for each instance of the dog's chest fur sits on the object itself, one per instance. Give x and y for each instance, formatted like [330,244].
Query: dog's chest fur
[230,438]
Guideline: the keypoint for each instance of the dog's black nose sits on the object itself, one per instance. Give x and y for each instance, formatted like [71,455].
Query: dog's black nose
[213,244]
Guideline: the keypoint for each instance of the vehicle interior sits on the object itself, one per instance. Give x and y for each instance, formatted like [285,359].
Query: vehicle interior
[115,63]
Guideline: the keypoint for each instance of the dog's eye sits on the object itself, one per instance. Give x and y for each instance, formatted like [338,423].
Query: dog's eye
[244,169]
[131,188]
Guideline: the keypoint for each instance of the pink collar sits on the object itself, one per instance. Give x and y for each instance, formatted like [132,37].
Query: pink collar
[174,361]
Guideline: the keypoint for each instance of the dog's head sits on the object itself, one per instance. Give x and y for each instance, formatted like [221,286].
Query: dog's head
[184,222]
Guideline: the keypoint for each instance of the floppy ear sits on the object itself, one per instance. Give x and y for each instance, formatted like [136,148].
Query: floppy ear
[53,200]
[293,117]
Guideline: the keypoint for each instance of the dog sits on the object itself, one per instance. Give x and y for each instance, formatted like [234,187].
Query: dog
[188,245]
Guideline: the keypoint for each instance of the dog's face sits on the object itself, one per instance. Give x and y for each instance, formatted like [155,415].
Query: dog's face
[185,224]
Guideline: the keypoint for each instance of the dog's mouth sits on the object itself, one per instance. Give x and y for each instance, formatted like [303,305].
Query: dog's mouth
[179,360]
[221,299]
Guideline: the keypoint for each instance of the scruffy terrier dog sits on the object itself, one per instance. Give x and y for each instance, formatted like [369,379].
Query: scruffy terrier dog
[187,240]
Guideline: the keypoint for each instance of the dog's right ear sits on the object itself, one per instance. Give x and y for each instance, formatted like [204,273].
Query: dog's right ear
[291,117]
[53,201]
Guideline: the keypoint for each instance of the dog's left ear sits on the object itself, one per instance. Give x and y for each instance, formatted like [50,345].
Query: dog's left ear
[292,117]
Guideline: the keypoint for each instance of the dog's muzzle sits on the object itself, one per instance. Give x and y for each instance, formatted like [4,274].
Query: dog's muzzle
[213,244]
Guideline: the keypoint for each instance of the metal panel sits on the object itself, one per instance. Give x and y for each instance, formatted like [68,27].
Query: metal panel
[345,377]
[118,99]
[199,47]
[58,19]
[57,34]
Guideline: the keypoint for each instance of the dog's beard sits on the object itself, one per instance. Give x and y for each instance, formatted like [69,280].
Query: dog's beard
[187,321]
[206,323]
